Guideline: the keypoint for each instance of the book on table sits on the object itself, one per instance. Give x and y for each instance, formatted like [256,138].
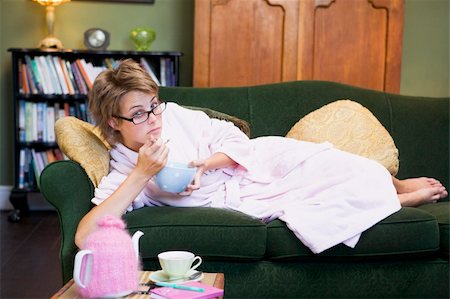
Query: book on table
[172,293]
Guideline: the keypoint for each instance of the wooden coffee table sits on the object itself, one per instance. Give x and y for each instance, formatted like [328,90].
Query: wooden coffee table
[69,289]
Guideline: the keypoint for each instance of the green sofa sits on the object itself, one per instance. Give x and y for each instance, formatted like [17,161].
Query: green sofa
[405,255]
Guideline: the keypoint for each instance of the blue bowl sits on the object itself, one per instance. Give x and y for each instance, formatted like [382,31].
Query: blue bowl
[175,177]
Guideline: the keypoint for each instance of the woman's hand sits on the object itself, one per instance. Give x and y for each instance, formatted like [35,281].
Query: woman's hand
[216,161]
[152,157]
[201,168]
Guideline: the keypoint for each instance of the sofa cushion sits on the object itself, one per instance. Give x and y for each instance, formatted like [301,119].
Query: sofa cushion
[81,142]
[209,232]
[441,211]
[410,231]
[350,127]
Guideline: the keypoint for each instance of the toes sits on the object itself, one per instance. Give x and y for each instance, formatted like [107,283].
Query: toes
[432,181]
[437,184]
[435,197]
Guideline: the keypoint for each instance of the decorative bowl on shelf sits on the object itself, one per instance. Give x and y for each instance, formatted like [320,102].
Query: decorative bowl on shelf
[142,38]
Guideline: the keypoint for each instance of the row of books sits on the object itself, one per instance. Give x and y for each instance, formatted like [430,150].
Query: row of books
[51,74]
[167,74]
[36,122]
[31,164]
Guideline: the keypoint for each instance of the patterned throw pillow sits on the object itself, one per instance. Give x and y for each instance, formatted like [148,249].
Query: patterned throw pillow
[350,127]
[81,142]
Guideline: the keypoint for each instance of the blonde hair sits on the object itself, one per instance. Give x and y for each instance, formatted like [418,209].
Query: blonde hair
[108,89]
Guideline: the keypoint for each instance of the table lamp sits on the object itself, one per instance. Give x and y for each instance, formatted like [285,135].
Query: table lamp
[50,42]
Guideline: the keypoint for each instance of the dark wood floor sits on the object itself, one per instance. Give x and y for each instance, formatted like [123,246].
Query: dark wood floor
[30,256]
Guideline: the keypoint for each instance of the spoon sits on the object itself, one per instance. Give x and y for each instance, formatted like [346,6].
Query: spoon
[193,276]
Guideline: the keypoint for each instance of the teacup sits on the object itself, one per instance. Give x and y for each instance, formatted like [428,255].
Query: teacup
[176,264]
[175,177]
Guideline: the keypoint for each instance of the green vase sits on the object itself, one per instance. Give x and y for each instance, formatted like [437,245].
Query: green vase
[142,38]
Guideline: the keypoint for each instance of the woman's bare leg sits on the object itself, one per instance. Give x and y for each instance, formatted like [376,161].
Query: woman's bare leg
[417,191]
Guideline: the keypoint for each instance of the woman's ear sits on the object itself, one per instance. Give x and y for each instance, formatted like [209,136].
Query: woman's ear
[113,123]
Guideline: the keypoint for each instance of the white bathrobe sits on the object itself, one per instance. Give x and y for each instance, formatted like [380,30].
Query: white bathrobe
[325,196]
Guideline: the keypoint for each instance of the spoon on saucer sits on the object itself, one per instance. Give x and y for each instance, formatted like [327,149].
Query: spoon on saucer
[193,276]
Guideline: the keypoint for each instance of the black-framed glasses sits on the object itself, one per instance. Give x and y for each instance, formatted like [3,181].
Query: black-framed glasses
[142,116]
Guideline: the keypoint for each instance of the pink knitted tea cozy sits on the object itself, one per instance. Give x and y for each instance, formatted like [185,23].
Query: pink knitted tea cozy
[115,266]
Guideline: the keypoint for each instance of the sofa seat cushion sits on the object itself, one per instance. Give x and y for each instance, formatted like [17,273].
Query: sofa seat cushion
[410,231]
[441,211]
[209,232]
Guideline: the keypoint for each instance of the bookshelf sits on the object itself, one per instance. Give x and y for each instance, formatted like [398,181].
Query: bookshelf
[52,84]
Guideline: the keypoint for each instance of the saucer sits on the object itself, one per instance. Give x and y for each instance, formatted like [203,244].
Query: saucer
[161,276]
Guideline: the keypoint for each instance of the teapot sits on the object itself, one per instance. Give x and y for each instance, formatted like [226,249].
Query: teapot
[108,264]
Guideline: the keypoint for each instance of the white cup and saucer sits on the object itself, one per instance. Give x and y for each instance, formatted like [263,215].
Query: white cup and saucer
[177,266]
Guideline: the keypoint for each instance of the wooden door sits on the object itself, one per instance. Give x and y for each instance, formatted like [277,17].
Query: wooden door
[245,42]
[358,42]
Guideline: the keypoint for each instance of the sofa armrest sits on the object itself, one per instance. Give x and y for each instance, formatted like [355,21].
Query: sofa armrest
[67,187]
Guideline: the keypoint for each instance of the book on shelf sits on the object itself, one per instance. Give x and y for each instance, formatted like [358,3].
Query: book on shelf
[172,293]
[22,168]
[39,124]
[28,121]
[150,70]
[65,74]
[162,67]
[170,72]
[43,75]
[26,172]
[57,88]
[82,70]
[82,86]
[54,60]
[35,78]
[83,111]
[32,162]
[59,111]
[167,70]
[73,82]
[21,122]
[37,165]
[88,71]
[28,78]
[25,84]
[51,124]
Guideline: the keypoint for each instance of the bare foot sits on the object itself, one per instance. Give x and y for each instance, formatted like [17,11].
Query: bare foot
[422,196]
[415,184]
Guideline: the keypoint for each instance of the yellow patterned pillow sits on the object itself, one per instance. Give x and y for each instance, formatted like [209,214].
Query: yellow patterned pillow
[350,127]
[81,142]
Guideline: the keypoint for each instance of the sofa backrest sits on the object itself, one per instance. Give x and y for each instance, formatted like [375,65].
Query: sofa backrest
[418,125]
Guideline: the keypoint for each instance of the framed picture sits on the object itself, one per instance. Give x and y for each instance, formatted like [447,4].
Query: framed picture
[122,1]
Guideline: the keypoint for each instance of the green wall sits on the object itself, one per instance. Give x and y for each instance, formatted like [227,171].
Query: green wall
[425,65]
